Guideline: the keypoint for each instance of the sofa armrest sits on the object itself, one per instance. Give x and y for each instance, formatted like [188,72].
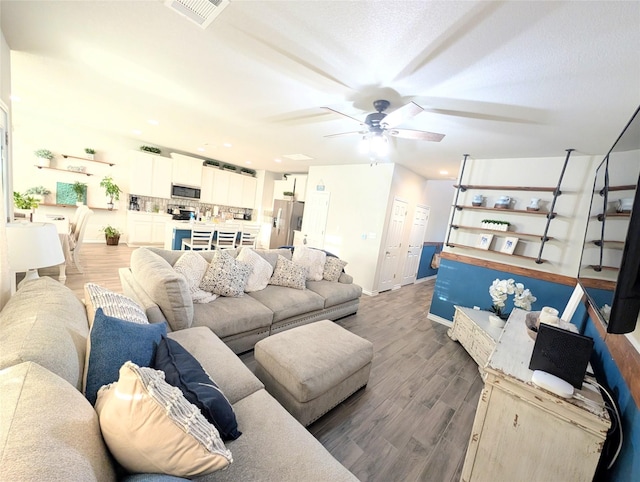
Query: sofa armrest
[133,290]
[345,278]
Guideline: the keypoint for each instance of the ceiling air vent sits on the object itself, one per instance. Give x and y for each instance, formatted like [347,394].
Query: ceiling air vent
[202,12]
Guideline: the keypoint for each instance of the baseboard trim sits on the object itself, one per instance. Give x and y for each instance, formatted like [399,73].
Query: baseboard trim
[439,319]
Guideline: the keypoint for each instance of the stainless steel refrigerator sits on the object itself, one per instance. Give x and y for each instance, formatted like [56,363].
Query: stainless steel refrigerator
[287,217]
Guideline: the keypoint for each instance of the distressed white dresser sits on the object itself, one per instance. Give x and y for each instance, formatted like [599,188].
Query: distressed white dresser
[471,328]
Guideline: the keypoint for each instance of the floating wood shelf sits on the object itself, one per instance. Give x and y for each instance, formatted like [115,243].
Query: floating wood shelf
[609,243]
[89,160]
[600,217]
[64,170]
[519,211]
[464,187]
[628,187]
[603,268]
[500,233]
[74,206]
[455,245]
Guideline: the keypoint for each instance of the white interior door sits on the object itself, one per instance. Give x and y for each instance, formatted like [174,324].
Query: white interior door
[416,241]
[393,246]
[314,220]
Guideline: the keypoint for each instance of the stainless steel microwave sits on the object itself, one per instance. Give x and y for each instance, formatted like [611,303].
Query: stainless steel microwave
[185,192]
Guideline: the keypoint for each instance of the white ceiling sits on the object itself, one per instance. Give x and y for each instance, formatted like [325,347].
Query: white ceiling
[499,79]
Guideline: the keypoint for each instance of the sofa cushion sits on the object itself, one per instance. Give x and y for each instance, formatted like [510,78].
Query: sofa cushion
[335,293]
[45,322]
[333,268]
[217,359]
[112,304]
[286,303]
[271,255]
[168,289]
[228,316]
[111,343]
[193,267]
[48,430]
[288,274]
[275,447]
[260,270]
[183,371]
[225,276]
[312,259]
[149,426]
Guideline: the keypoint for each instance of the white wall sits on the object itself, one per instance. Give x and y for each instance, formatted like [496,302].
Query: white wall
[357,213]
[5,89]
[439,197]
[567,229]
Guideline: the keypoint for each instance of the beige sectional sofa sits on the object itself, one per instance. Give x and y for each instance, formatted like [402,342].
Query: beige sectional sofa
[240,322]
[49,431]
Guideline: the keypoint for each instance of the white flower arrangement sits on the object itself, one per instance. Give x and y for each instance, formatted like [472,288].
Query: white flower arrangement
[501,289]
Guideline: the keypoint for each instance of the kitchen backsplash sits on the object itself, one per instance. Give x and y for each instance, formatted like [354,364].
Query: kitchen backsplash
[160,205]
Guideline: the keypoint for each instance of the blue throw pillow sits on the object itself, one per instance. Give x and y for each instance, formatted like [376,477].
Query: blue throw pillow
[114,342]
[182,370]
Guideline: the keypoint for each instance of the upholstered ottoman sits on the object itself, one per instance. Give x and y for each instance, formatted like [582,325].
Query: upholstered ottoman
[310,369]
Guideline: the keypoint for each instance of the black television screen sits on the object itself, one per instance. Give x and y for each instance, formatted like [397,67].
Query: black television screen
[610,265]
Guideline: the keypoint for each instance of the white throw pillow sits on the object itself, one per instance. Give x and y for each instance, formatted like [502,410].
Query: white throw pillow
[149,426]
[261,270]
[312,259]
[112,304]
[193,267]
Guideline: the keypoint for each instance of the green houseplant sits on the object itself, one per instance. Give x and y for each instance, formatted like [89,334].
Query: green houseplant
[38,192]
[25,203]
[91,153]
[80,189]
[154,150]
[111,235]
[289,195]
[111,190]
[44,157]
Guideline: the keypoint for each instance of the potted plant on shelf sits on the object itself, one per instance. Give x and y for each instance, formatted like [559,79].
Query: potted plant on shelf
[228,167]
[288,195]
[211,162]
[111,190]
[38,192]
[25,204]
[44,157]
[80,189]
[247,171]
[91,153]
[154,150]
[111,235]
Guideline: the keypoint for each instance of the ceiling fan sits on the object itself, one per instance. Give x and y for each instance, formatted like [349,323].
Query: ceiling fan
[378,124]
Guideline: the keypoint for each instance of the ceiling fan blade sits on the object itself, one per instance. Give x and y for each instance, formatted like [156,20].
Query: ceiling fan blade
[417,135]
[347,134]
[344,115]
[402,114]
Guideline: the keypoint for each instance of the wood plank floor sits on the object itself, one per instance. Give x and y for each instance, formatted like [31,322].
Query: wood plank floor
[412,421]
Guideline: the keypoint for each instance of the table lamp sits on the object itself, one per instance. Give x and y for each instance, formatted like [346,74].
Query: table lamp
[31,246]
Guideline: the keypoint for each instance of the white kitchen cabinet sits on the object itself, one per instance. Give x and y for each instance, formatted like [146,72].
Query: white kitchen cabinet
[150,175]
[522,432]
[227,189]
[235,190]
[249,187]
[294,183]
[221,187]
[146,228]
[186,171]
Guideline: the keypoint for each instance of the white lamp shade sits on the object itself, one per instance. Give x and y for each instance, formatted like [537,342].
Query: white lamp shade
[33,245]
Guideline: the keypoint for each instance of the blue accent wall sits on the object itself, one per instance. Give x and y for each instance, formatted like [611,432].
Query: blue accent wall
[468,285]
[424,268]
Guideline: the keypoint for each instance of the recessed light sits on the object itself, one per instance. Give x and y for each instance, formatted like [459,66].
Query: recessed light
[298,157]
[444,173]
[277,160]
[227,144]
[201,149]
[153,122]
[247,162]
[137,131]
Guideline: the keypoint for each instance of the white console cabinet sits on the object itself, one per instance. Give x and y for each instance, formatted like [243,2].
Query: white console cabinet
[522,432]
[474,332]
[146,228]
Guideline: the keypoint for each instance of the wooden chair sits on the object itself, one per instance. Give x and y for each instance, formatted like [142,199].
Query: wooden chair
[249,235]
[76,217]
[226,236]
[201,238]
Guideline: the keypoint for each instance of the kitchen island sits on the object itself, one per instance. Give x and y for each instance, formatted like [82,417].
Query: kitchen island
[176,231]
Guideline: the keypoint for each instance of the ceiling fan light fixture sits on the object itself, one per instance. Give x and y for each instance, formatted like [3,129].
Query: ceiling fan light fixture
[379,145]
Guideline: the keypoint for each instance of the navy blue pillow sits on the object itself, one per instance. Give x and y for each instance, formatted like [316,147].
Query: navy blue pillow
[182,370]
[114,342]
